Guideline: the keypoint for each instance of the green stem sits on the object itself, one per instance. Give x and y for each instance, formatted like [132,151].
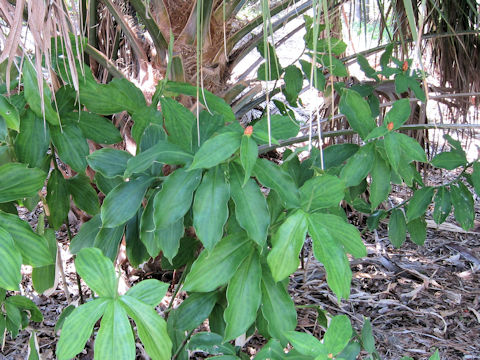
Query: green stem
[104,61]
[182,345]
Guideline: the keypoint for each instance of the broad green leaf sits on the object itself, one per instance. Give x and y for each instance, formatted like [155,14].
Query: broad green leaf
[462,201]
[401,83]
[31,144]
[359,165]
[33,247]
[282,127]
[443,205]
[143,119]
[449,160]
[72,147]
[13,319]
[248,155]
[338,334]
[366,68]
[398,114]
[336,155]
[96,127]
[251,208]
[43,277]
[243,296]
[476,177]
[78,327]
[411,149]
[123,202]
[58,199]
[331,254]
[334,65]
[215,268]
[24,303]
[17,181]
[105,184]
[328,45]
[418,230]
[209,125]
[10,275]
[85,238]
[147,229]
[178,123]
[318,77]
[358,112]
[136,251]
[393,150]
[174,199]
[194,310]
[380,184]
[83,194]
[277,307]
[61,319]
[10,113]
[210,207]
[115,338]
[419,202]
[169,238]
[97,271]
[153,134]
[286,245]
[161,152]
[150,291]
[306,344]
[216,150]
[210,343]
[108,241]
[109,162]
[321,192]
[271,69]
[274,177]
[293,83]
[368,341]
[152,329]
[397,228]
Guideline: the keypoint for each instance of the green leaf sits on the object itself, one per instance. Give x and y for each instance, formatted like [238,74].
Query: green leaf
[18,182]
[419,202]
[31,144]
[306,344]
[136,251]
[123,202]
[150,291]
[398,114]
[338,334]
[243,296]
[251,208]
[293,83]
[43,277]
[61,319]
[24,303]
[58,199]
[210,207]
[248,155]
[115,338]
[216,150]
[109,162]
[277,307]
[336,155]
[71,146]
[210,343]
[34,248]
[83,194]
[9,113]
[318,77]
[286,245]
[380,184]
[368,341]
[178,123]
[418,230]
[476,177]
[335,66]
[358,112]
[359,165]
[331,254]
[435,356]
[401,83]
[443,205]
[392,149]
[78,327]
[143,119]
[194,310]
[147,229]
[10,275]
[173,201]
[108,240]
[215,268]
[282,127]
[96,127]
[366,68]
[463,205]
[97,271]
[449,160]
[33,349]
[397,228]
[411,149]
[169,238]
[271,69]
[152,329]
[85,238]
[105,184]
[321,192]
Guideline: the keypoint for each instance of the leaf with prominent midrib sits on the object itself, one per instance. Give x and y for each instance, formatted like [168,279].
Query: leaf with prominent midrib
[31,144]
[359,165]
[108,240]
[322,192]
[178,123]
[357,111]
[216,150]
[419,202]
[248,155]
[463,205]
[169,238]
[58,199]
[10,275]
[397,228]
[72,147]
[9,113]
[109,162]
[194,310]
[418,230]
[449,160]
[443,205]
[210,207]
[83,194]
[17,181]
[97,128]
[97,271]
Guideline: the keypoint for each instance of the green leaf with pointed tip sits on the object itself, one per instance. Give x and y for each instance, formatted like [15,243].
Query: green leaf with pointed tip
[123,202]
[397,228]
[108,240]
[359,165]
[418,230]
[169,238]
[152,329]
[78,327]
[306,344]
[419,202]
[335,66]
[318,77]
[147,229]
[97,271]
[43,277]
[366,68]
[293,83]
[476,177]
[31,144]
[85,238]
[24,303]
[109,162]
[380,184]
[33,247]
[210,207]
[368,341]
[443,205]
[10,275]
[96,127]
[194,310]
[398,114]
[331,254]
[136,251]
[115,338]
[174,199]
[72,147]
[216,150]
[251,208]
[211,343]
[215,268]
[83,194]
[358,112]
[277,307]
[243,296]
[281,127]
[9,113]
[286,245]
[178,123]
[17,181]
[336,155]
[321,192]
[392,148]
[411,149]
[271,350]
[338,334]
[150,291]
[248,155]
[105,184]
[463,204]
[449,160]
[58,199]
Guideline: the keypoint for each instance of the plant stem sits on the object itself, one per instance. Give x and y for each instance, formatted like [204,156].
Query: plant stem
[182,345]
